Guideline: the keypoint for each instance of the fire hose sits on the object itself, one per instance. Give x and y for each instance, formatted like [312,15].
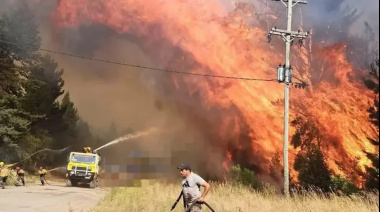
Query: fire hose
[42,150]
[195,202]
[176,202]
[189,208]
[46,182]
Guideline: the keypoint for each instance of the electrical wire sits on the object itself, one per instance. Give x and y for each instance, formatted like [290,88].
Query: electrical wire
[303,82]
[260,13]
[138,66]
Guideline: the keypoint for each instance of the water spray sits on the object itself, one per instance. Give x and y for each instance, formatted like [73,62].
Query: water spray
[61,167]
[128,137]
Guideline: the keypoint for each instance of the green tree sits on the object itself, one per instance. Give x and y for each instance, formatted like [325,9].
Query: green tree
[313,171]
[67,133]
[14,122]
[10,83]
[42,89]
[13,126]
[70,113]
[31,117]
[44,86]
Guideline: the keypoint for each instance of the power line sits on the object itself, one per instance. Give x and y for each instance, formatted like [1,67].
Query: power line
[138,66]
[278,17]
[261,11]
[302,81]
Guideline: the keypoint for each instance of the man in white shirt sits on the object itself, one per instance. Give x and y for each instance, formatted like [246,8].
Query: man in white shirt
[191,187]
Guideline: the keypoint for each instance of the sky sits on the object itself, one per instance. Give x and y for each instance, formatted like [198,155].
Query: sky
[368,8]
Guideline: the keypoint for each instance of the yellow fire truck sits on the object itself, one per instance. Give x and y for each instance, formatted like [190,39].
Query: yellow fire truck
[83,167]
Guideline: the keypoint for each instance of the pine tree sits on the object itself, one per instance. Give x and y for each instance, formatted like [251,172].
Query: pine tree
[66,135]
[43,87]
[31,116]
[14,122]
[70,113]
[313,169]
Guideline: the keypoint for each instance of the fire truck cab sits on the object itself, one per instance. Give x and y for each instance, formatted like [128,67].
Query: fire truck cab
[83,167]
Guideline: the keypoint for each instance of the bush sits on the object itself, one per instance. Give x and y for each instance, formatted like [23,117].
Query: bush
[313,171]
[340,184]
[13,176]
[245,177]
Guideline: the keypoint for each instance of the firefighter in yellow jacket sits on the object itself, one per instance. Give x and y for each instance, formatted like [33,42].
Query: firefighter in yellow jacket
[20,176]
[4,173]
[87,150]
[42,172]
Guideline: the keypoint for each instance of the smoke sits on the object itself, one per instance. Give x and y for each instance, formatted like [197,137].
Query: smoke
[126,138]
[140,99]
[177,107]
[320,15]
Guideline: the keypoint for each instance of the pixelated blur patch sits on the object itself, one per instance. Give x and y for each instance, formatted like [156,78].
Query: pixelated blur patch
[140,169]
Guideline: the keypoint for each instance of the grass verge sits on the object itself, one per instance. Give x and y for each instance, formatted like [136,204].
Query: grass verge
[29,178]
[160,196]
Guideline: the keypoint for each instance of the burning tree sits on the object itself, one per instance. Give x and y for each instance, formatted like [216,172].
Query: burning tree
[373,84]
[190,37]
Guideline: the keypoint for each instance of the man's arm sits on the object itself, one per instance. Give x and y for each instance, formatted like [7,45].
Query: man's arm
[205,192]
[202,182]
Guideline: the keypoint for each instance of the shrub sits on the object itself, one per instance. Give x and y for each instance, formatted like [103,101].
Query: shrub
[343,185]
[245,177]
[313,169]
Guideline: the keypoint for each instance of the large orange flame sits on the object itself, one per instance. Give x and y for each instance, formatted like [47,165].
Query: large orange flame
[336,103]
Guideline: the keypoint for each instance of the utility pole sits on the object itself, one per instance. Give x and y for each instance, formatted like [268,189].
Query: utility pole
[284,75]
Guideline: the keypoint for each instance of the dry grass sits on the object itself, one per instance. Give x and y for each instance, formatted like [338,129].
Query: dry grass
[29,178]
[223,197]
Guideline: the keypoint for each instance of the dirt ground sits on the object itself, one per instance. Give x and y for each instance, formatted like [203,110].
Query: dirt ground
[54,197]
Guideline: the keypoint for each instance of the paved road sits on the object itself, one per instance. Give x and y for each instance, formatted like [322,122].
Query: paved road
[55,197]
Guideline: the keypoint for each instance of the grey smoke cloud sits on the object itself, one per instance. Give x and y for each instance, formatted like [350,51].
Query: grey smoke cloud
[321,12]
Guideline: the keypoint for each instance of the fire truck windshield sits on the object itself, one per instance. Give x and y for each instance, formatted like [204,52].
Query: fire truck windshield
[83,158]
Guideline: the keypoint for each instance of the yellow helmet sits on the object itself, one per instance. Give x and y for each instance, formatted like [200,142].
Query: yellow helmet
[1,163]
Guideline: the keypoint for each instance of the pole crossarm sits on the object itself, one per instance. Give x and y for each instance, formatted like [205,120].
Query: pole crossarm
[284,33]
[298,2]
